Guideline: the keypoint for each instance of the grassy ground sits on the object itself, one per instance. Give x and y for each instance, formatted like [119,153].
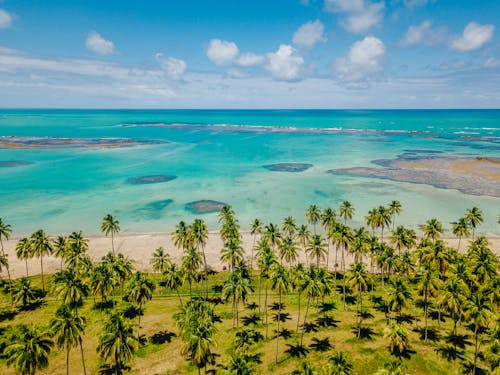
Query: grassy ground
[367,354]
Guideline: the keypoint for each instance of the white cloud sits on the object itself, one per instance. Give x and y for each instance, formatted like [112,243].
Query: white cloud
[360,15]
[97,44]
[423,34]
[492,62]
[285,64]
[249,59]
[175,68]
[5,19]
[362,62]
[309,34]
[473,37]
[222,52]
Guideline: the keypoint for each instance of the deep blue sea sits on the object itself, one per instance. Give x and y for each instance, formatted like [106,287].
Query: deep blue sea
[220,155]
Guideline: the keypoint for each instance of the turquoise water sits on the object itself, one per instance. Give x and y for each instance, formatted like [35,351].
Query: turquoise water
[219,155]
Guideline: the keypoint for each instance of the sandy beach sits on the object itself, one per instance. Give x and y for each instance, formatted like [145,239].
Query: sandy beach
[140,247]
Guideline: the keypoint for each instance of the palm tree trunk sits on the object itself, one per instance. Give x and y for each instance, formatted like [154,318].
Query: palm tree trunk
[205,269]
[112,243]
[425,316]
[26,262]
[278,331]
[265,309]
[41,267]
[327,253]
[358,310]
[305,318]
[343,276]
[139,324]
[83,358]
[260,290]
[67,359]
[476,334]
[179,295]
[298,315]
[459,239]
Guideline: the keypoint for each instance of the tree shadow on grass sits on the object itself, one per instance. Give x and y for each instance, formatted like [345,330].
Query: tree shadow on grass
[310,327]
[432,334]
[321,345]
[285,333]
[283,317]
[103,305]
[459,341]
[8,314]
[253,318]
[449,352]
[162,337]
[326,321]
[405,318]
[296,351]
[366,333]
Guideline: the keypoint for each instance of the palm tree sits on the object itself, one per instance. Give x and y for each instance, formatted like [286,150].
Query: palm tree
[181,237]
[60,248]
[288,250]
[191,262]
[29,351]
[432,229]
[428,285]
[273,235]
[383,219]
[266,258]
[343,237]
[400,295]
[237,287]
[23,292]
[110,225]
[103,281]
[160,260]
[395,208]
[255,230]
[68,328]
[232,253]
[5,232]
[358,280]
[372,220]
[140,290]
[173,279]
[312,289]
[403,238]
[289,226]
[40,245]
[398,337]
[478,313]
[117,341]
[199,236]
[23,251]
[280,282]
[313,215]
[346,211]
[453,297]
[316,248]
[460,229]
[339,364]
[70,287]
[474,217]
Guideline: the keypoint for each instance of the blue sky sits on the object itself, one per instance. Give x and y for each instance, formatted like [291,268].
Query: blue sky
[250,54]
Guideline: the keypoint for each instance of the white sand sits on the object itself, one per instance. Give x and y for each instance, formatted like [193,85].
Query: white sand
[139,248]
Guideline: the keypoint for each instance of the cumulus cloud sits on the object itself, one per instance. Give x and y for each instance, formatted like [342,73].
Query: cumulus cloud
[175,68]
[97,44]
[249,59]
[362,62]
[423,34]
[286,63]
[222,52]
[309,34]
[360,15]
[5,19]
[473,37]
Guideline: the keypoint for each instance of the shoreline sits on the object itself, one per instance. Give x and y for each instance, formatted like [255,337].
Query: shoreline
[139,247]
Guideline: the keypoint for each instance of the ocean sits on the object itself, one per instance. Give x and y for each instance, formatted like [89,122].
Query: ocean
[147,167]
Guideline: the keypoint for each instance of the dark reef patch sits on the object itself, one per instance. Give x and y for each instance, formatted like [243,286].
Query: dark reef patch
[14,142]
[288,167]
[14,163]
[205,206]
[153,210]
[151,179]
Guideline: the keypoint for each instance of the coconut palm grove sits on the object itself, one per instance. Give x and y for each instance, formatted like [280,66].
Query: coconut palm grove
[316,298]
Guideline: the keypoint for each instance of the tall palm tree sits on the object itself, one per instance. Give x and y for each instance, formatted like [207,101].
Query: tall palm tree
[29,351]
[398,337]
[160,260]
[255,230]
[383,219]
[303,236]
[288,250]
[432,229]
[266,258]
[339,364]
[289,226]
[237,287]
[5,232]
[474,217]
[328,220]
[180,236]
[280,282]
[453,298]
[68,328]
[117,341]
[140,290]
[22,291]
[103,281]
[273,235]
[40,245]
[343,237]
[71,287]
[428,285]
[110,225]
[312,289]
[395,208]
[313,215]
[346,211]
[60,249]
[400,295]
[23,251]
[403,238]
[358,280]
[172,277]
[372,220]
[199,237]
[316,248]
[191,262]
[460,229]
[232,253]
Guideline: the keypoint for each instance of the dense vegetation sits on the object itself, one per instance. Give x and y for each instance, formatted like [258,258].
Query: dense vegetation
[403,305]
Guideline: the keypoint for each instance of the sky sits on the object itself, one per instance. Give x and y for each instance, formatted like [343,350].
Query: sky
[249,54]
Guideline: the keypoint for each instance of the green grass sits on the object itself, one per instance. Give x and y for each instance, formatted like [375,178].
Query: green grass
[367,354]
